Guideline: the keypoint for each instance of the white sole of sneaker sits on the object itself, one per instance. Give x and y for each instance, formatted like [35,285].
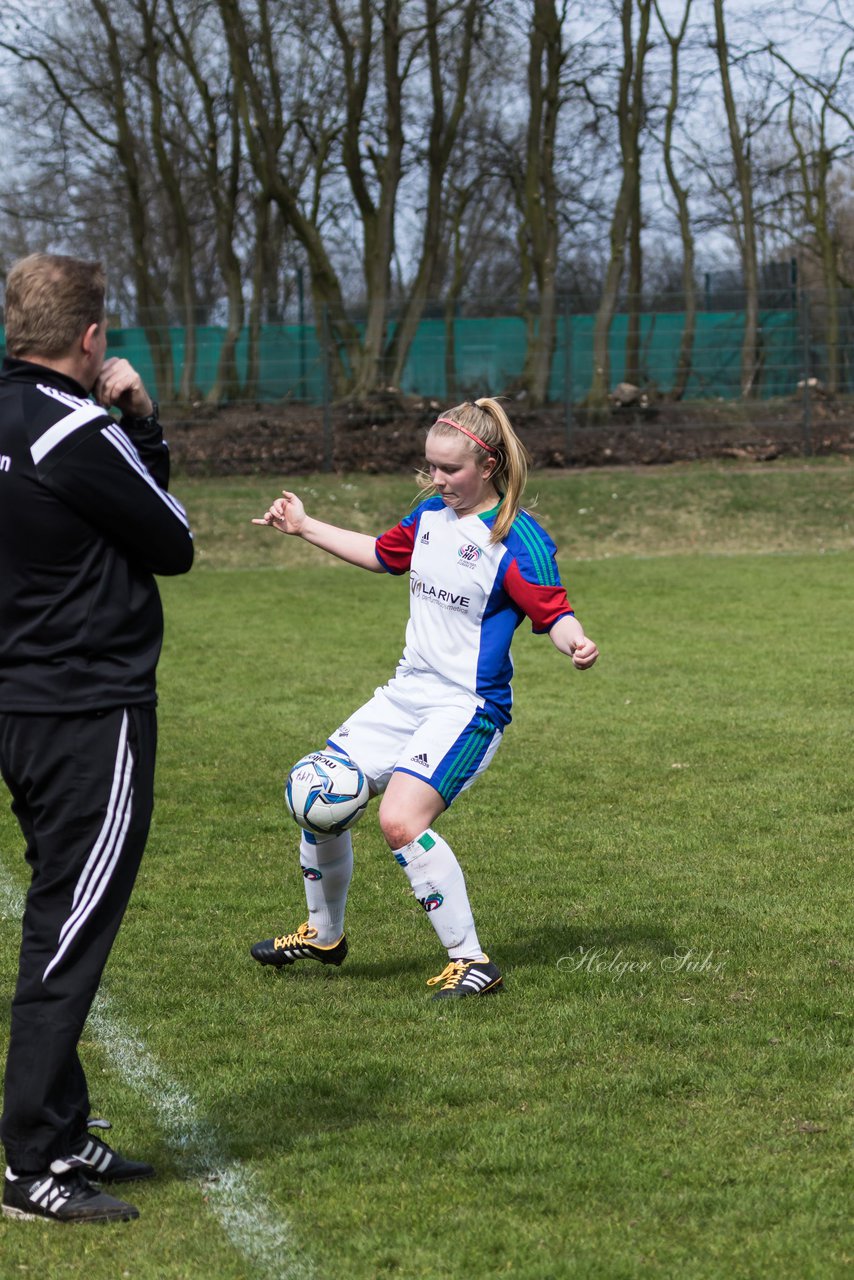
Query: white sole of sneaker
[9,1211]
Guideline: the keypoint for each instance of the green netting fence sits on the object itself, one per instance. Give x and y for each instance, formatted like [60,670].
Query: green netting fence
[488,356]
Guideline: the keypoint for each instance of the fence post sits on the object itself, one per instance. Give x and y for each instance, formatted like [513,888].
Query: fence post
[327,408]
[805,339]
[567,375]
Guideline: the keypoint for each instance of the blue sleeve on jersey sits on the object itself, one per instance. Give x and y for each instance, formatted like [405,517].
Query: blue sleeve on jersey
[533,551]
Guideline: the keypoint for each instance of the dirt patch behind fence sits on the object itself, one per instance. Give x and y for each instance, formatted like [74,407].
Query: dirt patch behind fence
[386,434]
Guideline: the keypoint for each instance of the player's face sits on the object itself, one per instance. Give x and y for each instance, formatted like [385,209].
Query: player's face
[464,485]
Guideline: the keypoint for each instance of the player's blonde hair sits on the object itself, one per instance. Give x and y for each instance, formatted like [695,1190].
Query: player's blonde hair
[51,300]
[486,420]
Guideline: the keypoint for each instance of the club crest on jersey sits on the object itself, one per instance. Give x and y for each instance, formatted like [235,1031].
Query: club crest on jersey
[469,555]
[432,902]
[311,873]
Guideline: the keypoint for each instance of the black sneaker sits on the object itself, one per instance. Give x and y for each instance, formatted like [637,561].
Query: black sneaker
[62,1194]
[467,978]
[101,1163]
[299,946]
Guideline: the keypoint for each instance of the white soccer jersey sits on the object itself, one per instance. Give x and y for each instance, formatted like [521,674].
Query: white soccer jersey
[468,595]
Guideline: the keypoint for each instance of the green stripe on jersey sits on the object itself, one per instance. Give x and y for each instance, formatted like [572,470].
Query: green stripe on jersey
[543,563]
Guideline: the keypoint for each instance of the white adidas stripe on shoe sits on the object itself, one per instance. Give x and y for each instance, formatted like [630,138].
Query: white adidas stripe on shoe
[478,977]
[61,1194]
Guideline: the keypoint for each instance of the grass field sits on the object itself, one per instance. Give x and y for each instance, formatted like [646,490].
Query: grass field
[659,860]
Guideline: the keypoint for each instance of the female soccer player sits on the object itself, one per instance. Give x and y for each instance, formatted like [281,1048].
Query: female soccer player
[477,565]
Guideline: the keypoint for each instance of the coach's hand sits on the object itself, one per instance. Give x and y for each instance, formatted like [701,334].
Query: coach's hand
[119,386]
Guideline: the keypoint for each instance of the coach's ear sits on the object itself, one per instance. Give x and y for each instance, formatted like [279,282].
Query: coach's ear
[87,355]
[89,340]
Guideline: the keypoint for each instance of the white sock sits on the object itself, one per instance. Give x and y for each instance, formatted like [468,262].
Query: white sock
[327,868]
[439,885]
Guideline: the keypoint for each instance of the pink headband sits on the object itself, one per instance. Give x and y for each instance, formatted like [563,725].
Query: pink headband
[450,422]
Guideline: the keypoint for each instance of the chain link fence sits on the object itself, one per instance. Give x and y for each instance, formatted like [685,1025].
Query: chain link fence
[801,386]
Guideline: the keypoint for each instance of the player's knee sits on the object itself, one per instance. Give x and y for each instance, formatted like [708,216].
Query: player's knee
[396,825]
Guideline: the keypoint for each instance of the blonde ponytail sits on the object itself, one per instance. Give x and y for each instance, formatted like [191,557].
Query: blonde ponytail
[487,430]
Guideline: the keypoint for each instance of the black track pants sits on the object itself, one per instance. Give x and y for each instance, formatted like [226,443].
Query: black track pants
[82,790]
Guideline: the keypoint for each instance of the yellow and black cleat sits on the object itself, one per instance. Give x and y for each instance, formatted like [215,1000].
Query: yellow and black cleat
[467,978]
[299,946]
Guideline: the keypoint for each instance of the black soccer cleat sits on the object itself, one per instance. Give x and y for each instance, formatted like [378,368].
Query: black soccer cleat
[101,1163]
[467,978]
[299,946]
[62,1194]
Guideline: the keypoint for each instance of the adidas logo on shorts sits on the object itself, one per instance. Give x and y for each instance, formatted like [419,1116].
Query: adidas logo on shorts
[425,538]
[421,759]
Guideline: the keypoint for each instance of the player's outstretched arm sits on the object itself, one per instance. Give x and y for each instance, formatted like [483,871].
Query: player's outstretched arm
[288,515]
[568,636]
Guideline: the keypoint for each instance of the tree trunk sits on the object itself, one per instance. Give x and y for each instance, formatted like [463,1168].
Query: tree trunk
[633,371]
[223,189]
[263,131]
[744,182]
[814,193]
[444,128]
[546,57]
[689,290]
[149,301]
[227,381]
[630,121]
[171,185]
[378,217]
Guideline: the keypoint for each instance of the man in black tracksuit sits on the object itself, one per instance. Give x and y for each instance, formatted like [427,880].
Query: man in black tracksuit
[85,523]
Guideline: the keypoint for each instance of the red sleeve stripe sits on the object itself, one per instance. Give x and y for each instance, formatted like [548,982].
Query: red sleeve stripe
[394,548]
[543,603]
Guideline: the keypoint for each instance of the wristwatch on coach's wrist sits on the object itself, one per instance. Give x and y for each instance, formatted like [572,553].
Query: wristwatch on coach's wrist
[149,419]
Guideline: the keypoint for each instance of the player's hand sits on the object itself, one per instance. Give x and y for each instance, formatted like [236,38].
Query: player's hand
[584,654]
[119,386]
[287,514]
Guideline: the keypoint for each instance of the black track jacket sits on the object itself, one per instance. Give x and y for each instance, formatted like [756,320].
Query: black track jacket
[85,523]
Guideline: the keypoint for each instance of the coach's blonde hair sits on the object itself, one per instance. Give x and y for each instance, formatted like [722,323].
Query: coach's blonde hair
[51,300]
[486,419]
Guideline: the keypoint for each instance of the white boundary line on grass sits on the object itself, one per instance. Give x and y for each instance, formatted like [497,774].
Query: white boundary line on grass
[251,1223]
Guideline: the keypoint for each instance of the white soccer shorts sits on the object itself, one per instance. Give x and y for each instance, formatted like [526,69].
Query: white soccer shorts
[419,724]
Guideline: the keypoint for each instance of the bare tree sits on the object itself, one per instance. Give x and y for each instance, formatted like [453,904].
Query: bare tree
[746,219]
[814,104]
[168,160]
[89,107]
[209,127]
[449,56]
[680,195]
[630,121]
[288,165]
[538,193]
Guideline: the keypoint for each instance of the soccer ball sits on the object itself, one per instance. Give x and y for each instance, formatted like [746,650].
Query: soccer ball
[326,793]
